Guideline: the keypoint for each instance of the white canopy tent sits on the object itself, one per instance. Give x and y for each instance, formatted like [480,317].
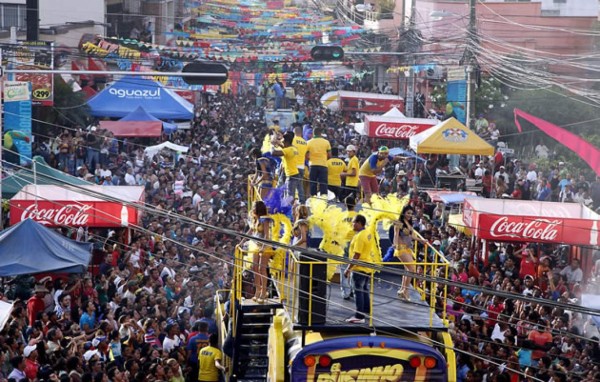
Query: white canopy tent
[151,151]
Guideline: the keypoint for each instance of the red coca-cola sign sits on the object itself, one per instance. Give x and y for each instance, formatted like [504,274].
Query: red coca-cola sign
[74,214]
[383,129]
[389,131]
[69,214]
[533,230]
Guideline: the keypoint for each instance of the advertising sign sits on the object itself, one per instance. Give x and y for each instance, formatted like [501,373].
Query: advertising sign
[73,214]
[370,104]
[17,123]
[387,128]
[456,96]
[35,55]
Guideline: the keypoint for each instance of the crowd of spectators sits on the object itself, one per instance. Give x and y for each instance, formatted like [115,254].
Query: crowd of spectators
[132,317]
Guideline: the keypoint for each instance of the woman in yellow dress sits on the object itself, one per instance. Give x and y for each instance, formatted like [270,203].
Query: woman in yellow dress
[261,228]
[404,236]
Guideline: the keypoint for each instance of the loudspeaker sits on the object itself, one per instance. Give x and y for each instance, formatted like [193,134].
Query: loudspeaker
[314,295]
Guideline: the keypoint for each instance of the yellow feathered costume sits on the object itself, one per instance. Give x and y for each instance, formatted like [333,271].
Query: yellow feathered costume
[383,210]
[331,219]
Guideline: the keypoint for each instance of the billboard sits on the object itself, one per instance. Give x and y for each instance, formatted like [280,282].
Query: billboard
[456,96]
[17,123]
[34,55]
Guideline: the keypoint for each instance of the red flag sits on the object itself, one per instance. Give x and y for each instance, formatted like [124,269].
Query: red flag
[586,151]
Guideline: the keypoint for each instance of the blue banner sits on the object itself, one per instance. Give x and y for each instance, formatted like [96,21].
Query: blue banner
[456,100]
[17,131]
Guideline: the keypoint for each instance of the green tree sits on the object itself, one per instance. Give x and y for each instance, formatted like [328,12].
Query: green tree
[70,109]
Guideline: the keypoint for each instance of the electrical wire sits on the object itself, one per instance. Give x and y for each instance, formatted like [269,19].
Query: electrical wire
[141,229]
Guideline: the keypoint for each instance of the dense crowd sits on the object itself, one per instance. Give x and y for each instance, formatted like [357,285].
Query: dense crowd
[146,309]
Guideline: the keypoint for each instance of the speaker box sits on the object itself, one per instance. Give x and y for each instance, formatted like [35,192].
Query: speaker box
[312,295]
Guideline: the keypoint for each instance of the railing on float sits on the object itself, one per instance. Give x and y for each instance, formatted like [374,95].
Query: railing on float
[287,280]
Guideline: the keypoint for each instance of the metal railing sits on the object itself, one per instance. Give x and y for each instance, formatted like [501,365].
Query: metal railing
[287,279]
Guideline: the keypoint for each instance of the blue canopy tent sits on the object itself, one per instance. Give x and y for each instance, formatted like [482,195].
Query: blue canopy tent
[128,93]
[30,248]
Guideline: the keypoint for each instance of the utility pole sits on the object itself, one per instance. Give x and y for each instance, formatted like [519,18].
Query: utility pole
[32,18]
[470,61]
[409,101]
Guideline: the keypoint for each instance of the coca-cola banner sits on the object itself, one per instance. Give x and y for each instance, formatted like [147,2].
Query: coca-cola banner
[402,129]
[73,214]
[531,221]
[536,229]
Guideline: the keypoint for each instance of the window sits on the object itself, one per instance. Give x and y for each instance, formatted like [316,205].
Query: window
[12,15]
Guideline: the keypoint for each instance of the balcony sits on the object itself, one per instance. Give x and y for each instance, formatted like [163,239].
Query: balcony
[371,16]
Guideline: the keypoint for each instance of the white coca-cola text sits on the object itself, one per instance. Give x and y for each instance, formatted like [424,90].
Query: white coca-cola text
[398,132]
[70,214]
[539,229]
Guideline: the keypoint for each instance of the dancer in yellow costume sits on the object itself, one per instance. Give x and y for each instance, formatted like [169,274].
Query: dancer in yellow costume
[404,234]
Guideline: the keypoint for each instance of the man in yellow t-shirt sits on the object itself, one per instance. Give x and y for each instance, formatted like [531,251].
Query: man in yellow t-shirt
[209,361]
[301,145]
[351,174]
[318,151]
[360,250]
[293,182]
[335,167]
[371,167]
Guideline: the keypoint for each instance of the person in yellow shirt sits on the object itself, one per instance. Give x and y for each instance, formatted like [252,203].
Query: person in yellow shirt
[360,250]
[301,145]
[335,167]
[350,176]
[293,182]
[371,167]
[209,361]
[349,215]
[318,151]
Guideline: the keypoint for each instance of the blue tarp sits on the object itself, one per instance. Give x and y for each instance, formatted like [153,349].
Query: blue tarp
[29,248]
[458,197]
[128,93]
[141,114]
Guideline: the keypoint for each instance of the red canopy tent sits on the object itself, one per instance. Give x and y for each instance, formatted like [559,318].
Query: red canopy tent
[134,128]
[535,222]
[56,206]
[531,221]
[395,125]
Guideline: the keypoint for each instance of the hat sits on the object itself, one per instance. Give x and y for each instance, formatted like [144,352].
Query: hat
[28,350]
[88,345]
[44,280]
[502,168]
[384,149]
[401,173]
[96,341]
[351,148]
[93,128]
[561,163]
[436,242]
[89,354]
[215,187]
[199,229]
[40,289]
[528,277]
